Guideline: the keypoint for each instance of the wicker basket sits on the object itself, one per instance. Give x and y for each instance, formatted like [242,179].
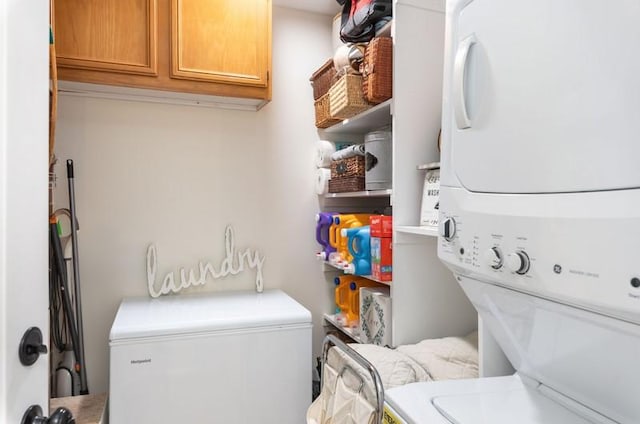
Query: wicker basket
[377,69]
[323,118]
[346,184]
[346,98]
[349,167]
[323,79]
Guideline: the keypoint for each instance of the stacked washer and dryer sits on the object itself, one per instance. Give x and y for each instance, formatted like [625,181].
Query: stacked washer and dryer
[540,210]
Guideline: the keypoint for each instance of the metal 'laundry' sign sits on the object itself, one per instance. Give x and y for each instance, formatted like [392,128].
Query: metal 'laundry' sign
[233,263]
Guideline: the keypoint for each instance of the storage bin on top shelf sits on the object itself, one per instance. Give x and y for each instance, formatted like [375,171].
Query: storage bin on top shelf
[377,70]
[323,79]
[323,115]
[346,98]
[343,93]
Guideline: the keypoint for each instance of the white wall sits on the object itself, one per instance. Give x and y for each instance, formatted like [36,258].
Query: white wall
[177,175]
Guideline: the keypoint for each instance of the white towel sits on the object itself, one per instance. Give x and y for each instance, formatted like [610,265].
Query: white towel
[324,150]
[341,58]
[323,175]
[351,151]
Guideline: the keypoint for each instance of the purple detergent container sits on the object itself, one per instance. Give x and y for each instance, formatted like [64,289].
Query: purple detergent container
[324,220]
[359,245]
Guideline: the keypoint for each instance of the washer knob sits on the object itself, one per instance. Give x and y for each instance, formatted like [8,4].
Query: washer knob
[493,257]
[448,229]
[518,262]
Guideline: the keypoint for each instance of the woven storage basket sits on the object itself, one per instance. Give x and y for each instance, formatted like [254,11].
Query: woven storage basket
[377,69]
[346,98]
[349,167]
[323,79]
[346,184]
[323,118]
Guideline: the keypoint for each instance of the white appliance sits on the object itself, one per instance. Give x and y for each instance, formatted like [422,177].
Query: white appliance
[225,357]
[540,210]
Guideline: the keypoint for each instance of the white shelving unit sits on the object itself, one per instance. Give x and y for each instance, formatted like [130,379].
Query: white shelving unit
[426,300]
[368,277]
[421,231]
[351,332]
[356,194]
[378,116]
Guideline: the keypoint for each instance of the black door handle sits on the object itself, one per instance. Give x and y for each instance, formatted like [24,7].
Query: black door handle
[31,346]
[33,415]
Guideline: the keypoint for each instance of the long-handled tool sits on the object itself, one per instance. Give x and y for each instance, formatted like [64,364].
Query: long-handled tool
[76,281]
[61,284]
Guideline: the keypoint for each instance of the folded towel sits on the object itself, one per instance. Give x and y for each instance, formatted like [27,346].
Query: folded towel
[348,152]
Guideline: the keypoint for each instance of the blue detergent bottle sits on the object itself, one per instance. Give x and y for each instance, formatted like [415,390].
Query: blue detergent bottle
[359,245]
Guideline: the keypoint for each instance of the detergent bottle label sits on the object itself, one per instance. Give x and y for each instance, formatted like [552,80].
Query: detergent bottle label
[388,417]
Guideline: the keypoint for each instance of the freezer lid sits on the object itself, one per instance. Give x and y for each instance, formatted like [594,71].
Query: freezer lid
[205,312]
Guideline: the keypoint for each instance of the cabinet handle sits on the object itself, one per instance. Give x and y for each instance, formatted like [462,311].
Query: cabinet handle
[459,68]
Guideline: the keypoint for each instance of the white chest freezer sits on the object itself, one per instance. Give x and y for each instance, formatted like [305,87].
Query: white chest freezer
[230,357]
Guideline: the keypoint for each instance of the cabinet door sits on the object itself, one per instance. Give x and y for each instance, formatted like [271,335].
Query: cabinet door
[221,41]
[107,35]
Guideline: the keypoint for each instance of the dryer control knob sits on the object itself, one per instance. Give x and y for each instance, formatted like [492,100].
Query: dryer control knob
[493,258]
[448,229]
[518,262]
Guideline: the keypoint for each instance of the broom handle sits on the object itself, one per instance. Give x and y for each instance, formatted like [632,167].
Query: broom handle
[81,364]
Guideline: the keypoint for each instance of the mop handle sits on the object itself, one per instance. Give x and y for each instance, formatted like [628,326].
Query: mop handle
[81,364]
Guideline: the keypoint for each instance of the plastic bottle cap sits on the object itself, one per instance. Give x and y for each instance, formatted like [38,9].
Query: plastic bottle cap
[353,285]
[336,281]
[336,220]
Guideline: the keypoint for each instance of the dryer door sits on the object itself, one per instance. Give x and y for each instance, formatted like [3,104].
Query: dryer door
[543,96]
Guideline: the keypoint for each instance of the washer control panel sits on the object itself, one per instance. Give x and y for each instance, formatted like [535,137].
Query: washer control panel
[586,262]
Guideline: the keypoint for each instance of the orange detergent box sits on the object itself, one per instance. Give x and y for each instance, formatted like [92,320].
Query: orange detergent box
[381,251]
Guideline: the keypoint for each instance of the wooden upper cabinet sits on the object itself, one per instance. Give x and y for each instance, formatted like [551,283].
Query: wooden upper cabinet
[212,47]
[107,35]
[221,40]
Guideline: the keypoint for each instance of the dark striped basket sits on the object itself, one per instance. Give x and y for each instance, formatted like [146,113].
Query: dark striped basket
[346,184]
[323,79]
